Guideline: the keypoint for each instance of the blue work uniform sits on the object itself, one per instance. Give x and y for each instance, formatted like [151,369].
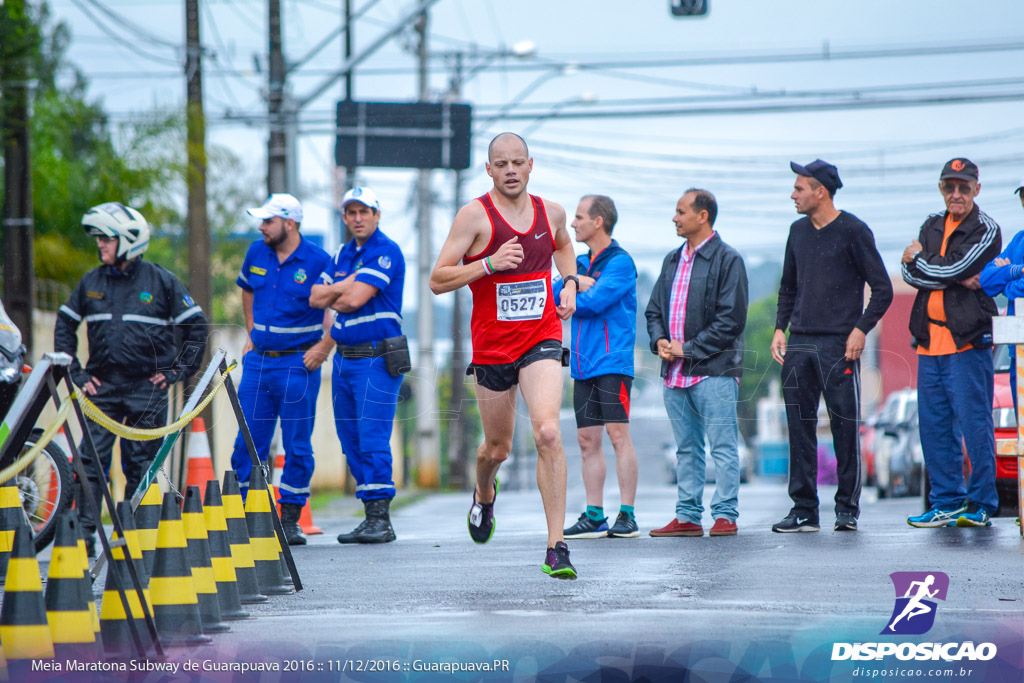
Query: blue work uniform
[275,382]
[365,394]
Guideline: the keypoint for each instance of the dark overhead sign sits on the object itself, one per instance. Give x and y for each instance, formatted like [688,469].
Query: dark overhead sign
[688,8]
[403,135]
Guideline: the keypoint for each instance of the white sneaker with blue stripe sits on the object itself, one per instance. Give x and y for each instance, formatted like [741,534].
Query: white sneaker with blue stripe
[936,518]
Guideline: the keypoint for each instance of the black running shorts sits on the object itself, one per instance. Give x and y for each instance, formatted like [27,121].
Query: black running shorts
[602,399]
[504,376]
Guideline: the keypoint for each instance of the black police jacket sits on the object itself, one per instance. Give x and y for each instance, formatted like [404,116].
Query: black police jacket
[139,322]
[716,311]
[974,243]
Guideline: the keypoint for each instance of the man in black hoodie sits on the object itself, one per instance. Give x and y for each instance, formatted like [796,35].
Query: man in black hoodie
[830,255]
[951,321]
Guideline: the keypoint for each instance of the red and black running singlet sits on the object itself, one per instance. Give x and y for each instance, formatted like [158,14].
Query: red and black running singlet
[513,310]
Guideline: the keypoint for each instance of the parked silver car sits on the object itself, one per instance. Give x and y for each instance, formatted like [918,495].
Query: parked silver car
[899,460]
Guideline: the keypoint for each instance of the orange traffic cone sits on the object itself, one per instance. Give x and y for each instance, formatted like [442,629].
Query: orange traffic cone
[306,517]
[200,462]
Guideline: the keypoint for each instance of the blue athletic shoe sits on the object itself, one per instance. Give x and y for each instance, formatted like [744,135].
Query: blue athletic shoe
[936,518]
[974,516]
[586,527]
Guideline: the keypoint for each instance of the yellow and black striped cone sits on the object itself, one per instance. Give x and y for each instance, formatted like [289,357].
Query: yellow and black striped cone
[199,559]
[23,630]
[12,515]
[147,521]
[238,540]
[116,636]
[286,576]
[220,555]
[67,596]
[175,607]
[83,559]
[265,548]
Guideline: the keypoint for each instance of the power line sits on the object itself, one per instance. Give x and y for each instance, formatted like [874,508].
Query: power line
[124,22]
[890,102]
[121,40]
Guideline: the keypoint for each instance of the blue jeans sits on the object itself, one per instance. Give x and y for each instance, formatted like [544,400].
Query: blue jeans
[958,387]
[707,408]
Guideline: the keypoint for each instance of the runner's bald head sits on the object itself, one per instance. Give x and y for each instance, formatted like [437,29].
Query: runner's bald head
[505,137]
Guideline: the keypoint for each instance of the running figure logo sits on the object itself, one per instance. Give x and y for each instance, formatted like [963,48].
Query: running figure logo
[914,612]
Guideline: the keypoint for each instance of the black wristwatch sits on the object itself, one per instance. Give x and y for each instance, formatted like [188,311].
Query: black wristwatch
[574,279]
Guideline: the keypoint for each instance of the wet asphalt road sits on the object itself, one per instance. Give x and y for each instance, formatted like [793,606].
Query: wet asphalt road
[435,593]
[435,586]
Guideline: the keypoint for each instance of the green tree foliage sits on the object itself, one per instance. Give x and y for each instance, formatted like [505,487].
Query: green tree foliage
[759,368]
[81,159]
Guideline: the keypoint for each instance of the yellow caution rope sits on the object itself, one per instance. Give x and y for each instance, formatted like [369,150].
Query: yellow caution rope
[31,454]
[137,434]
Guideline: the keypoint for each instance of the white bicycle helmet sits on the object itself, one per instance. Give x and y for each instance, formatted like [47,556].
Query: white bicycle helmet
[114,219]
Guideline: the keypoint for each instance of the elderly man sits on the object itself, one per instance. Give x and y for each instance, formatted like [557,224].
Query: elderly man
[951,322]
[695,317]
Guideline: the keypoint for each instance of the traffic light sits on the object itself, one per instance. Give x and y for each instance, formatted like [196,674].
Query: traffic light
[688,8]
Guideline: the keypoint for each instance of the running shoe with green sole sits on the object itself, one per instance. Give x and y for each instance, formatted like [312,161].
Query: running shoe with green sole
[481,518]
[557,564]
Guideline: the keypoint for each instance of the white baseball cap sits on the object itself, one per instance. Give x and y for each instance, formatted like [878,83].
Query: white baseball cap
[283,205]
[363,195]
[1020,186]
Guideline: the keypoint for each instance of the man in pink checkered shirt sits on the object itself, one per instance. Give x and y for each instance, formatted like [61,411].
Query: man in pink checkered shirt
[695,318]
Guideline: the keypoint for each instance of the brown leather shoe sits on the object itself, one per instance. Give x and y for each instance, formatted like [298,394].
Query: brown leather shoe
[723,527]
[677,528]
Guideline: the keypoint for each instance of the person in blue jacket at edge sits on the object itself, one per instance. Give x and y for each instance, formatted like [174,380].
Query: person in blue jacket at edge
[1005,275]
[601,363]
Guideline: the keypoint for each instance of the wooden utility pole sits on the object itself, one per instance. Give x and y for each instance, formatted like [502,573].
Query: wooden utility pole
[197,223]
[277,145]
[428,440]
[18,224]
[458,445]
[199,245]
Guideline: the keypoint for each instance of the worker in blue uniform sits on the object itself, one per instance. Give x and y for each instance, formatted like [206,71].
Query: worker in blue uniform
[364,285]
[288,342]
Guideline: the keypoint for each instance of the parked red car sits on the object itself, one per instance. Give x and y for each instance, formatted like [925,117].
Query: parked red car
[1005,418]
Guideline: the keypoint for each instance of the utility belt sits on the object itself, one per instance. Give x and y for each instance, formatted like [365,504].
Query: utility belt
[287,352]
[394,351]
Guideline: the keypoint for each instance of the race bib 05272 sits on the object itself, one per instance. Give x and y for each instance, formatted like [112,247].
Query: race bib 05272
[521,300]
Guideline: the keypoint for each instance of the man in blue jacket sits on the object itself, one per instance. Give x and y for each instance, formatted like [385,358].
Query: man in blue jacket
[1005,275]
[601,362]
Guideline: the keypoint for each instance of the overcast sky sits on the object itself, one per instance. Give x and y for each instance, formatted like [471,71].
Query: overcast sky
[889,157]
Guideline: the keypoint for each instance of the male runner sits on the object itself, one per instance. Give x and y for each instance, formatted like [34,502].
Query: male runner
[505,241]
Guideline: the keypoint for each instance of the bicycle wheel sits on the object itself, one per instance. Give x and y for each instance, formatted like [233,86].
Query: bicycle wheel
[45,488]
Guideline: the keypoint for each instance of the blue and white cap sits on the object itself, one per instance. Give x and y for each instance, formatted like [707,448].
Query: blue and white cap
[363,195]
[283,205]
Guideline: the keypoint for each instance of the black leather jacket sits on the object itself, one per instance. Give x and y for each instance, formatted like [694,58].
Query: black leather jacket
[974,243]
[132,317]
[716,311]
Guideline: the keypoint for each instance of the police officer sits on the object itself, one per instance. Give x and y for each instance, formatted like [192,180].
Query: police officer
[364,285]
[132,309]
[288,342]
